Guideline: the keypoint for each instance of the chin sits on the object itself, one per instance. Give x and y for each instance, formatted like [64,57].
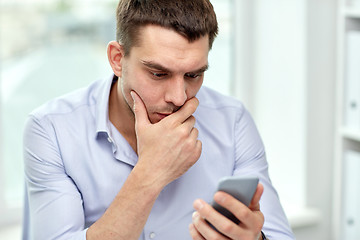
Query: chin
[154,119]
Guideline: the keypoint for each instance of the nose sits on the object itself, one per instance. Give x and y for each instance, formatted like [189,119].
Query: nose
[176,92]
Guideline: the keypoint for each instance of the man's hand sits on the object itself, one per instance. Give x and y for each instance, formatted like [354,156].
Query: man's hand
[166,149]
[251,218]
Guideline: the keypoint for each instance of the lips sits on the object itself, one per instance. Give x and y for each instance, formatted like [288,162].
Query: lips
[163,115]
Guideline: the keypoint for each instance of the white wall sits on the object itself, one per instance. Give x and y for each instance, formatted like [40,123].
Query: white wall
[321,75]
[288,63]
[279,104]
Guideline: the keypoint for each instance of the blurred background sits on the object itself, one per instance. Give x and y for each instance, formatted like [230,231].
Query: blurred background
[277,56]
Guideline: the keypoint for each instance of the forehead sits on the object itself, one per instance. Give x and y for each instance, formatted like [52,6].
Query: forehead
[169,48]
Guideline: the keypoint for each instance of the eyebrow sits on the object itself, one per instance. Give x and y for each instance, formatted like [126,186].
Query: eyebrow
[161,68]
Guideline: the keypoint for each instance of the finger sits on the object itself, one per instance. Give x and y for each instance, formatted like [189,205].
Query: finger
[237,208]
[205,229]
[252,219]
[185,111]
[189,123]
[254,205]
[195,235]
[198,144]
[219,221]
[194,133]
[140,112]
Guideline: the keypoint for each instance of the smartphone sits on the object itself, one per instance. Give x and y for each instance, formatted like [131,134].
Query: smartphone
[241,188]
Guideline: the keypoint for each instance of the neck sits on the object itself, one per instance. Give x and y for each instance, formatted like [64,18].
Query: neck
[121,116]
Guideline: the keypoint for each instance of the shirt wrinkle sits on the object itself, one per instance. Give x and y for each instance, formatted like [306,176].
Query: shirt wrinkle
[236,126]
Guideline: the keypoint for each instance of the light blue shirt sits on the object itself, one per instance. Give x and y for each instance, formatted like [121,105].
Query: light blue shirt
[76,162]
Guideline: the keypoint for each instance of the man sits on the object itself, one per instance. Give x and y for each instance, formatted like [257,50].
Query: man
[130,156]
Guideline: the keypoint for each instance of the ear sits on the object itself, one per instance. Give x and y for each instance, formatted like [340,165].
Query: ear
[115,53]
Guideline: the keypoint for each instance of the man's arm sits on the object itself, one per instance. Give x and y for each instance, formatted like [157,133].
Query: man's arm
[127,214]
[166,150]
[54,204]
[250,159]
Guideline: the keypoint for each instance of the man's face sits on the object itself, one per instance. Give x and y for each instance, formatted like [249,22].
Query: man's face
[165,70]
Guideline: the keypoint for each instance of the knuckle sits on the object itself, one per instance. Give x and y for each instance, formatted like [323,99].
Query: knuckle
[183,132]
[244,213]
[227,227]
[189,145]
[196,131]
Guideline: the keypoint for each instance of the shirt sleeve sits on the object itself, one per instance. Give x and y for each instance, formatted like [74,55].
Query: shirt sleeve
[54,207]
[251,160]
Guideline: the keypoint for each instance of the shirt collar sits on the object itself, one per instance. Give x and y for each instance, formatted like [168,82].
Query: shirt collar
[105,128]
[102,105]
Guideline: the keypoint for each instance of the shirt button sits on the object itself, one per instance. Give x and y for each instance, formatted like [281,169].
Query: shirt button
[152,235]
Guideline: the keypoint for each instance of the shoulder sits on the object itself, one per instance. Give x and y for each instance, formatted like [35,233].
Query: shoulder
[212,100]
[219,115]
[70,102]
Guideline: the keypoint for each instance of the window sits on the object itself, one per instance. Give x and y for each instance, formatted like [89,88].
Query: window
[47,48]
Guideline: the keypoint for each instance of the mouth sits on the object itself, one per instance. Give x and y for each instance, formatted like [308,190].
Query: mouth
[162,115]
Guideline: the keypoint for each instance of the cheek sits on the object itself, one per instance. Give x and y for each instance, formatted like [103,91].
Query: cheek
[193,88]
[150,98]
[125,90]
[127,83]
[130,82]
[149,93]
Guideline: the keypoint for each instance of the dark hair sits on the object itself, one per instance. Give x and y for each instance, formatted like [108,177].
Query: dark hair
[190,18]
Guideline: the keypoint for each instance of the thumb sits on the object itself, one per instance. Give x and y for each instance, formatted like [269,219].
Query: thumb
[254,205]
[140,112]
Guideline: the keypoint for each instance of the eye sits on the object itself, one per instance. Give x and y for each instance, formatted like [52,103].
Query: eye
[193,75]
[158,75]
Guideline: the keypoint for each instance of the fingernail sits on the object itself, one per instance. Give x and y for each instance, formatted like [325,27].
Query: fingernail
[219,198]
[198,205]
[195,215]
[132,95]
